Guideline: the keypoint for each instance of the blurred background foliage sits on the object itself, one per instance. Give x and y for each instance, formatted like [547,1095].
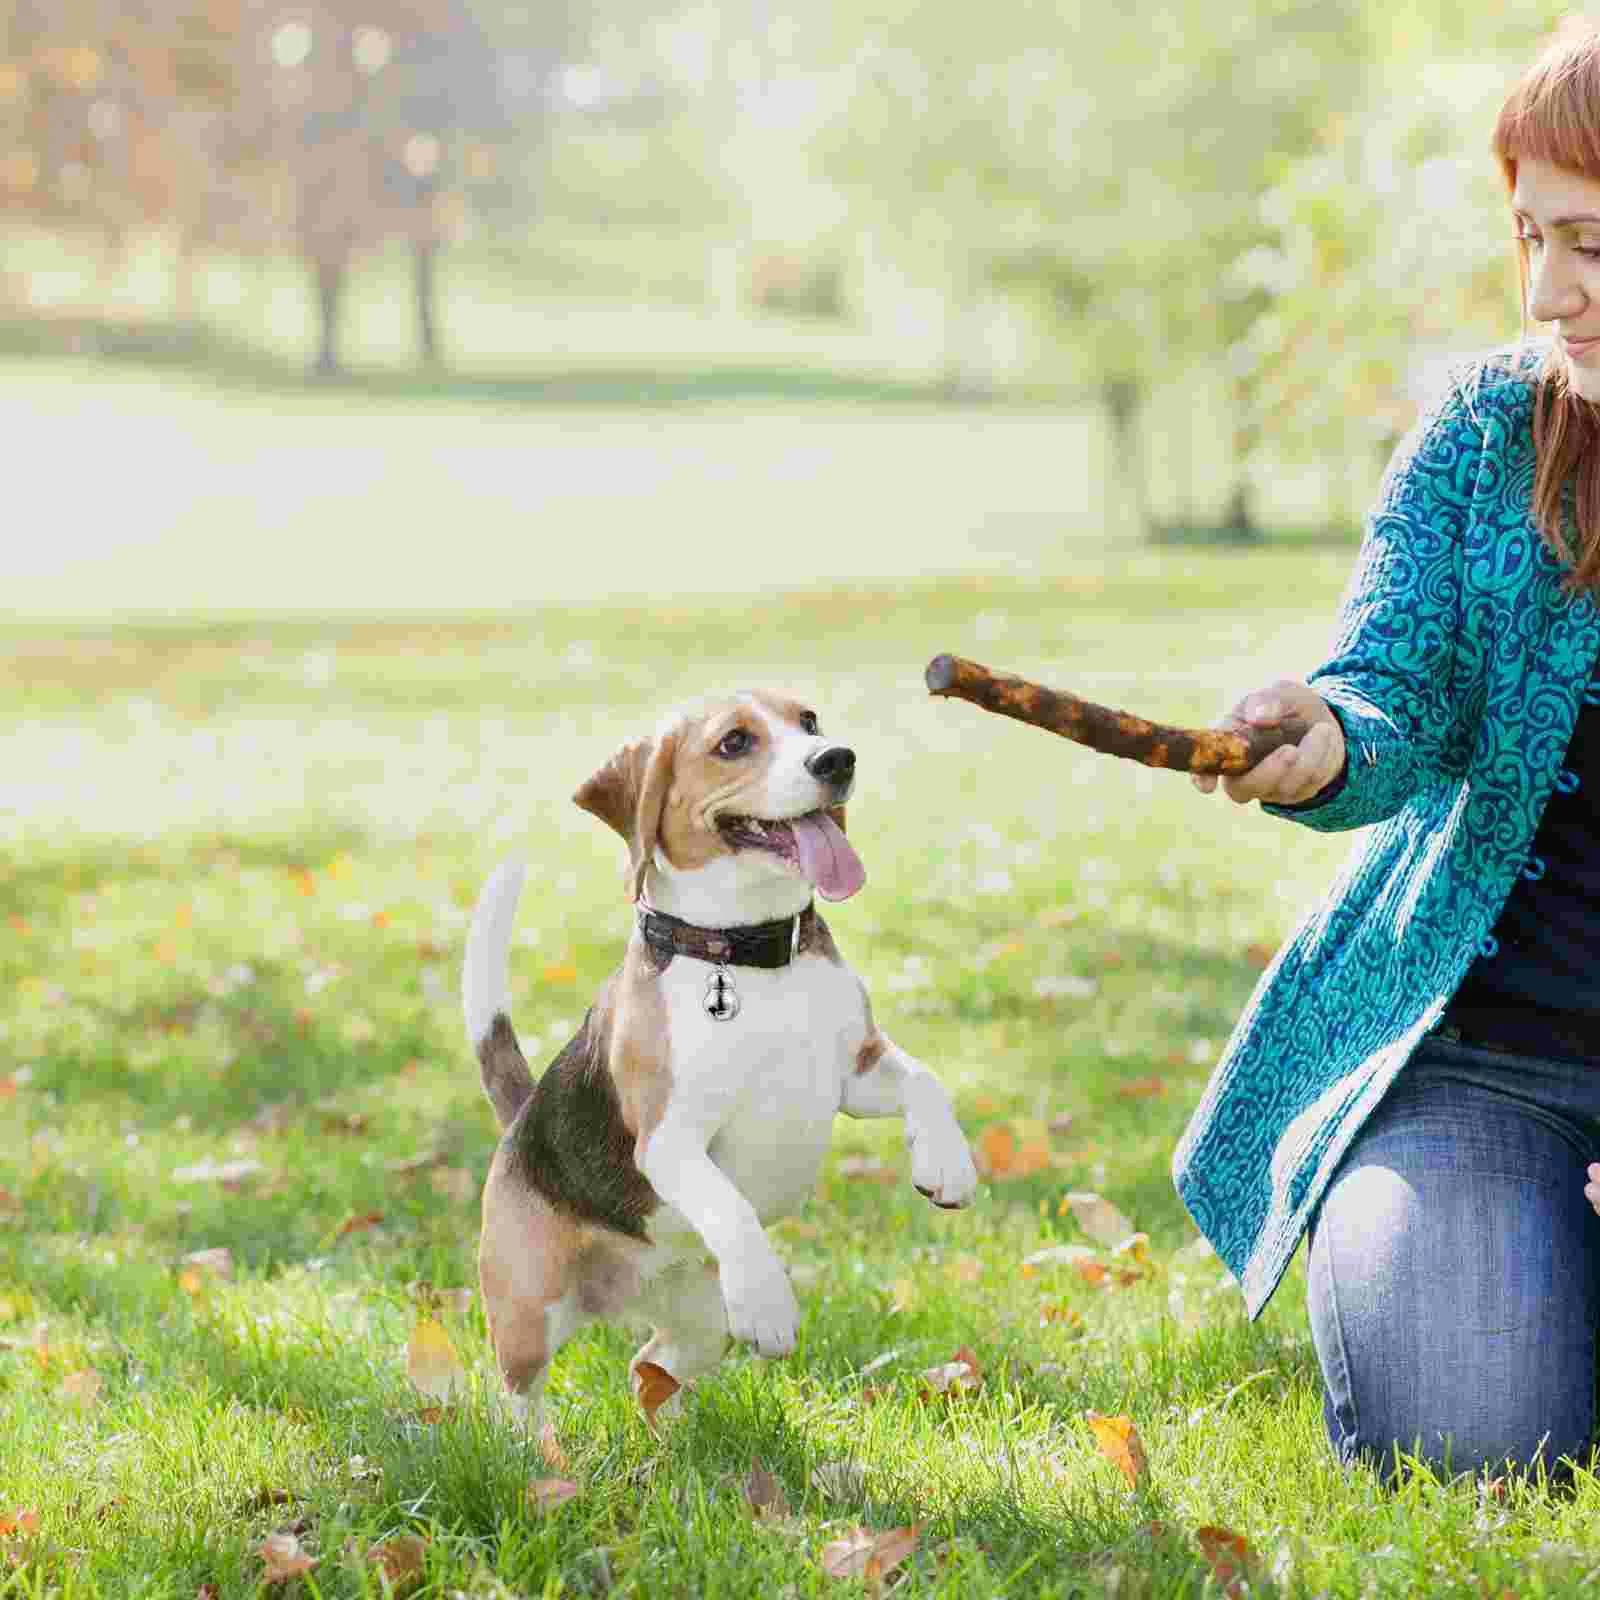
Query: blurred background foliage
[1249,234]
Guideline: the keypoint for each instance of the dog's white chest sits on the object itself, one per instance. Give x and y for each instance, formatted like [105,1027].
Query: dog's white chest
[767,1081]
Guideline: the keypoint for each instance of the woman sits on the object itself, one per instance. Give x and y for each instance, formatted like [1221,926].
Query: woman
[1416,1081]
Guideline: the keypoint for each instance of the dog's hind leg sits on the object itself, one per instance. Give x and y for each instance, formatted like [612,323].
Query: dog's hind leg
[526,1257]
[693,1331]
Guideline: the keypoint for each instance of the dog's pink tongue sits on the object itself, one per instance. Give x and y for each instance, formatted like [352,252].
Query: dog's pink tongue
[826,857]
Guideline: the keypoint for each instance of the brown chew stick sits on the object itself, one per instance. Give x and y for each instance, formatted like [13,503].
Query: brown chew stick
[1113,733]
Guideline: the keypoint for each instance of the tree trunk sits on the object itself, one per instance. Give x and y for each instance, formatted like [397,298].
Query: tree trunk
[1239,519]
[331,272]
[1121,399]
[425,255]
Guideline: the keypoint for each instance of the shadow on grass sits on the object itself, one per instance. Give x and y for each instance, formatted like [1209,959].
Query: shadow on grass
[206,354]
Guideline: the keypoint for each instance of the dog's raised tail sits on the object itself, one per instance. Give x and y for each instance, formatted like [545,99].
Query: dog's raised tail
[484,999]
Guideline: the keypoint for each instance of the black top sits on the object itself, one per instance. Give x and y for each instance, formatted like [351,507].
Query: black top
[1535,985]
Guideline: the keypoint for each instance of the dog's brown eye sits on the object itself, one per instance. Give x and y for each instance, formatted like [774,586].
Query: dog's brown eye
[735,743]
[808,722]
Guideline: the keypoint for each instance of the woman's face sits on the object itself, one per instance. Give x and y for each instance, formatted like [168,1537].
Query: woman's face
[1558,214]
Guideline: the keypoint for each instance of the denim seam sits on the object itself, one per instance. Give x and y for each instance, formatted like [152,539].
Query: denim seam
[1348,1443]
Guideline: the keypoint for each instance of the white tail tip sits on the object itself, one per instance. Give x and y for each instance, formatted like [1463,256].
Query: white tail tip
[483,969]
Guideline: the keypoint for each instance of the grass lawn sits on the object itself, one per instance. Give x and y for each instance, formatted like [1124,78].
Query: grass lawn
[235,869]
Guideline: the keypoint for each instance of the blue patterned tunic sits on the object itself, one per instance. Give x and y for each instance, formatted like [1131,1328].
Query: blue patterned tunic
[1457,670]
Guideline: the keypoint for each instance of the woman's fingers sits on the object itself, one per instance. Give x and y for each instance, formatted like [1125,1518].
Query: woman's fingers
[1292,773]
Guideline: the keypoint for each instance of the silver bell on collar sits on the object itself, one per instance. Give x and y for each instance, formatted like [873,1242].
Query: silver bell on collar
[721,998]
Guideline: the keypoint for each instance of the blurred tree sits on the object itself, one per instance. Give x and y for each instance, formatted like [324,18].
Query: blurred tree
[111,115]
[326,126]
[1105,165]
[364,121]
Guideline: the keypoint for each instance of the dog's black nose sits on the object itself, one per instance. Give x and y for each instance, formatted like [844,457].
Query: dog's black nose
[835,765]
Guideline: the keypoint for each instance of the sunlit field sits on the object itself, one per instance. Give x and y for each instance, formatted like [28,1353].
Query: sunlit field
[243,1138]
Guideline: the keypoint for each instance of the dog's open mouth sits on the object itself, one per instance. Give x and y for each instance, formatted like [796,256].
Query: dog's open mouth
[813,844]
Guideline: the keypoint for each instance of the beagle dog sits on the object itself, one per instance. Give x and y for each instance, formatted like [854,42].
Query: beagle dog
[695,1102]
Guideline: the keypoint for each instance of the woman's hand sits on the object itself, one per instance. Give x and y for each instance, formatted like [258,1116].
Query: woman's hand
[1293,772]
[1591,1190]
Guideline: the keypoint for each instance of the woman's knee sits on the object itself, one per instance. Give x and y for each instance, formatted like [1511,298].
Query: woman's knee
[1453,1311]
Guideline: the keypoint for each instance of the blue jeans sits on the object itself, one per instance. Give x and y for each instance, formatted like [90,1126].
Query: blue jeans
[1454,1265]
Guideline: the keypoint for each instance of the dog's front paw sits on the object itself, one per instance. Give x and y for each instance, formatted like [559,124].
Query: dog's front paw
[941,1166]
[762,1309]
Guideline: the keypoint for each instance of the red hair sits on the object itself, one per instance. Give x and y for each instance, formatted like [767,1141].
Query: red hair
[1553,115]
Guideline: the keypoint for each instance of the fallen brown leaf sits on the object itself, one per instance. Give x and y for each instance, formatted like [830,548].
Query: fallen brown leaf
[81,1389]
[283,1558]
[1142,1088]
[954,1377]
[764,1493]
[548,1494]
[1001,1156]
[1229,1556]
[402,1561]
[890,1549]
[847,1557]
[654,1387]
[1119,1443]
[1098,1218]
[358,1223]
[865,1554]
[200,1266]
[1054,1311]
[550,1450]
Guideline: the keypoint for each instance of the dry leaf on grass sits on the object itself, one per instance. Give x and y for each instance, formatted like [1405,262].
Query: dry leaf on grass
[359,1223]
[764,1494]
[653,1386]
[1230,1557]
[548,1494]
[200,1267]
[1098,1218]
[283,1558]
[1119,1443]
[1142,1088]
[1054,1311]
[217,1262]
[1002,1156]
[953,1378]
[432,1363]
[81,1389]
[865,1554]
[402,1561]
[550,1451]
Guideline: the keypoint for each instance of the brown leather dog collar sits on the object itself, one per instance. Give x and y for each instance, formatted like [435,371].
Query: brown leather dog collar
[758,944]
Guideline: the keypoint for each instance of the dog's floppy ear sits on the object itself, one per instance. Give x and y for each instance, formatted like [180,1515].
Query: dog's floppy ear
[629,794]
